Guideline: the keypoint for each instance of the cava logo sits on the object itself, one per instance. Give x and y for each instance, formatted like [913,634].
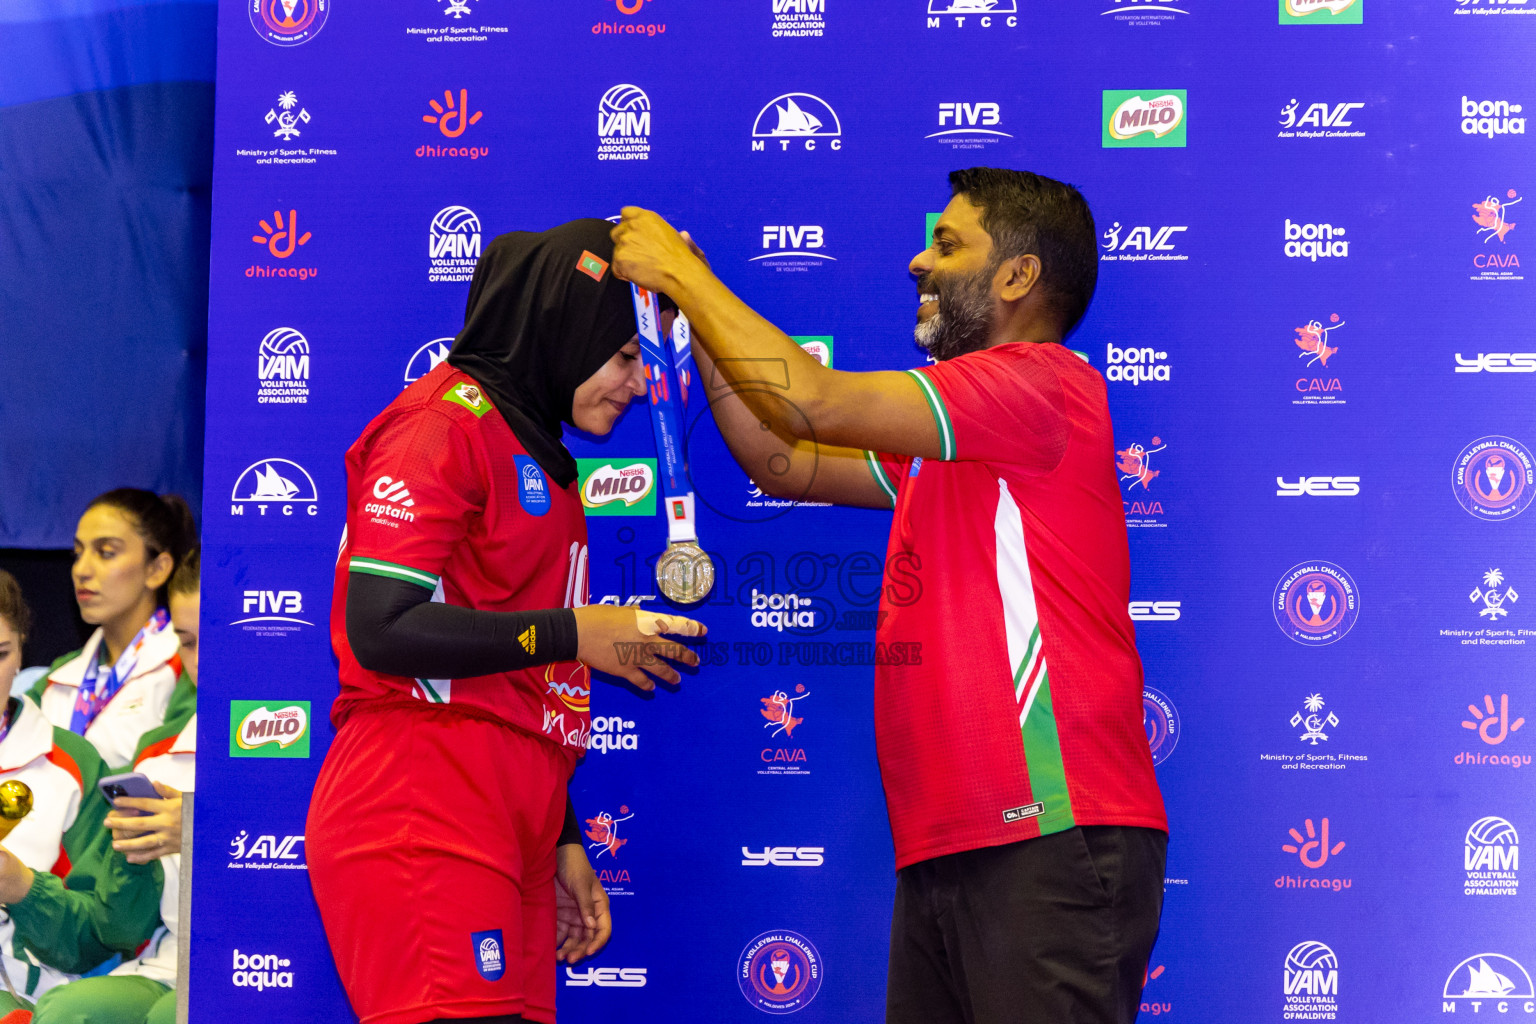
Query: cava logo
[603,830]
[793,247]
[1146,13]
[1136,365]
[1156,611]
[617,488]
[453,245]
[1491,859]
[426,359]
[1161,720]
[796,119]
[779,972]
[1493,478]
[272,613]
[1144,118]
[624,124]
[1318,344]
[1494,260]
[1318,487]
[970,125]
[783,857]
[282,368]
[1321,12]
[973,13]
[1489,118]
[783,714]
[605,977]
[1319,121]
[265,729]
[1311,982]
[799,19]
[1314,241]
[288,22]
[1316,604]
[1491,978]
[1134,463]
[276,484]
[1142,244]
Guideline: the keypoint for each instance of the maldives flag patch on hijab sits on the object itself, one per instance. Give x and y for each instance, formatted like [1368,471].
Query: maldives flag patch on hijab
[593,266]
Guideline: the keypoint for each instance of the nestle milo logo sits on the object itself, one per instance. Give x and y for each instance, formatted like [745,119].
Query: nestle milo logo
[618,487]
[1144,117]
[268,728]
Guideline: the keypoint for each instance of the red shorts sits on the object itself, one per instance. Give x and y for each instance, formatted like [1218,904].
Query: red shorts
[431,848]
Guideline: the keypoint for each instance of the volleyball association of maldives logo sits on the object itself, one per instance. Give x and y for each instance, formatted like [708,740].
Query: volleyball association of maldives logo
[1161,720]
[779,972]
[1316,603]
[288,22]
[1492,478]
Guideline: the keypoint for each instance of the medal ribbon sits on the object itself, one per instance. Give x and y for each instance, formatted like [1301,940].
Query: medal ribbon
[668,391]
[95,693]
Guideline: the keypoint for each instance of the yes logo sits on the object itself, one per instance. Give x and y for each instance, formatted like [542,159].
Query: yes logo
[1144,118]
[783,857]
[1319,487]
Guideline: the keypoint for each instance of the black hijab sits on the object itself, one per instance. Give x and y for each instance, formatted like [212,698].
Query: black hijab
[545,312]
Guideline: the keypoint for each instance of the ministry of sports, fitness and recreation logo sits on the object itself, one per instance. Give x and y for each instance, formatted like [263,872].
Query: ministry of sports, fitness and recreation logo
[453,245]
[286,117]
[1495,259]
[1491,859]
[624,124]
[1161,720]
[1313,719]
[1144,117]
[799,19]
[426,358]
[1492,478]
[268,729]
[444,21]
[973,13]
[617,487]
[288,22]
[282,368]
[779,972]
[278,485]
[1494,597]
[1493,978]
[1316,603]
[796,117]
[1322,12]
[1311,982]
[1318,343]
[1319,121]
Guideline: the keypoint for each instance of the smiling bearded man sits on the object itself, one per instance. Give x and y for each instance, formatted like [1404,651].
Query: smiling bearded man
[1030,833]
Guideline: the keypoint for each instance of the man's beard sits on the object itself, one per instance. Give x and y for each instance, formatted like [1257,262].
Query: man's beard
[964,319]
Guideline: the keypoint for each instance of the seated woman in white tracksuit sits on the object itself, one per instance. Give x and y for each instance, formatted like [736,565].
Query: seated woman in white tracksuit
[128,678]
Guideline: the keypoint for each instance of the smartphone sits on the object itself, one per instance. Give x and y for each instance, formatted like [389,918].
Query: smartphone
[128,784]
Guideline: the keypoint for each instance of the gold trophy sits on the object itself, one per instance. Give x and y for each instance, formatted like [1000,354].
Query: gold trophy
[15,804]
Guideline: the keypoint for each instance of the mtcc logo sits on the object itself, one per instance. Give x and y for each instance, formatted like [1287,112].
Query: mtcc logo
[426,359]
[1491,117]
[279,484]
[1491,858]
[1316,603]
[981,13]
[1493,478]
[796,116]
[1142,243]
[624,124]
[1491,978]
[1311,982]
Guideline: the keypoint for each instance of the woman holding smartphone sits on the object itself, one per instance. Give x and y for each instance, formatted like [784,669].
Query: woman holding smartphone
[464,637]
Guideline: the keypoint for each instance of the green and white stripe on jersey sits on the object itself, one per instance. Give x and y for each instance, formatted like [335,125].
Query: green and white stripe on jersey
[880,478]
[435,691]
[394,571]
[1031,673]
[940,414]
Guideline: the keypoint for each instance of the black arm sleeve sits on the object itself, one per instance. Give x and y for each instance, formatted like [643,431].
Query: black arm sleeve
[396,627]
[570,832]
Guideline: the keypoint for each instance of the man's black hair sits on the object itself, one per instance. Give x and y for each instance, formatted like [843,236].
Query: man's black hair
[1027,213]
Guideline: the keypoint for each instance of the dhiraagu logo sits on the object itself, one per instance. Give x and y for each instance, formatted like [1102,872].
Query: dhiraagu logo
[1144,117]
[260,728]
[1322,12]
[617,487]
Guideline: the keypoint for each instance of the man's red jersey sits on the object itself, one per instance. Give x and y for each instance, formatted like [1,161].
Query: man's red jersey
[441,494]
[1008,562]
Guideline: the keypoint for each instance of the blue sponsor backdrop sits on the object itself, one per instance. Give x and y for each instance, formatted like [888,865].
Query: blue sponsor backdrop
[1311,313]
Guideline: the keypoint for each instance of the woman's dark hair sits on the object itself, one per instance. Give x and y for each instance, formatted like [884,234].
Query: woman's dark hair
[13,607]
[164,522]
[185,580]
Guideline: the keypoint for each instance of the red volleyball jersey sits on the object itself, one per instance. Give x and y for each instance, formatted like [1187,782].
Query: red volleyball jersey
[1008,563]
[441,494]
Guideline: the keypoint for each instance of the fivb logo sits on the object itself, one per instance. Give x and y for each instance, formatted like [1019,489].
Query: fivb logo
[1318,487]
[280,484]
[1491,858]
[1314,241]
[970,125]
[981,13]
[1491,117]
[624,124]
[1146,12]
[271,612]
[1144,118]
[1491,978]
[1142,243]
[796,115]
[793,240]
[453,244]
[606,977]
[1311,982]
[282,368]
[783,857]
[1319,120]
